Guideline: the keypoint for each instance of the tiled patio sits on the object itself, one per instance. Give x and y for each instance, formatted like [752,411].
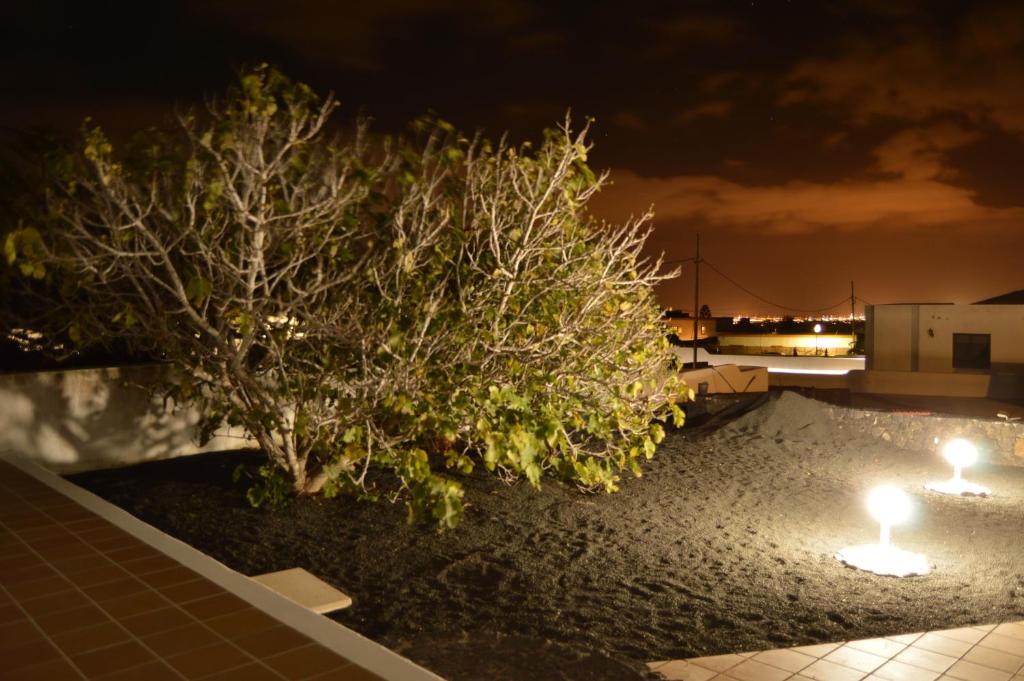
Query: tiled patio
[984,653]
[81,598]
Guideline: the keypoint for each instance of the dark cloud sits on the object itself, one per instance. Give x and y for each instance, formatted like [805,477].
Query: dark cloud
[364,36]
[774,127]
[795,208]
[974,69]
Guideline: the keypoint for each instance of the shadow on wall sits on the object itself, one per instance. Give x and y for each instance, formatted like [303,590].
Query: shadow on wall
[70,421]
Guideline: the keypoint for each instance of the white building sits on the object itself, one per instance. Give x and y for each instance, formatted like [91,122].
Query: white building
[944,349]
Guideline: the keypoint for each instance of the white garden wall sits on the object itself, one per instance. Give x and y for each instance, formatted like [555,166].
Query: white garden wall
[83,419]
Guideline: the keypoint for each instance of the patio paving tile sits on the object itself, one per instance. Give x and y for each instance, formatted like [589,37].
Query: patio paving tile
[925,659]
[752,670]
[112,659]
[718,663]
[46,584]
[189,591]
[114,589]
[943,645]
[350,673]
[1011,629]
[905,638]
[180,640]
[883,647]
[855,659]
[28,654]
[69,620]
[965,634]
[134,604]
[81,599]
[681,670]
[198,662]
[15,636]
[978,653]
[90,638]
[790,660]
[169,577]
[997,659]
[822,670]
[214,606]
[900,671]
[249,672]
[1006,644]
[301,663]
[9,614]
[146,564]
[53,670]
[54,602]
[100,575]
[272,641]
[241,623]
[968,671]
[817,650]
[149,671]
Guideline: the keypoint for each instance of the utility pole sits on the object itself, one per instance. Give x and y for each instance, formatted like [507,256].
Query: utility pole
[853,301]
[696,300]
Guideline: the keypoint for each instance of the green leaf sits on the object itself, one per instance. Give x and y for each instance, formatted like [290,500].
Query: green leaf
[10,248]
[198,290]
[533,472]
[213,193]
[657,433]
[678,416]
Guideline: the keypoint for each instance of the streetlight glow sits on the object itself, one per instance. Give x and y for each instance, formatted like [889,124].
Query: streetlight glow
[889,506]
[960,454]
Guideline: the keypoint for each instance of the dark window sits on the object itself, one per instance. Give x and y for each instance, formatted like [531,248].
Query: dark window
[972,351]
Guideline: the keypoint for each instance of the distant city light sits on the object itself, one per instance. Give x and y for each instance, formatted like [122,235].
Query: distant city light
[818,372]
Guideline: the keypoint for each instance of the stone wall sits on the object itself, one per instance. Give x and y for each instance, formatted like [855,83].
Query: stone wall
[998,442]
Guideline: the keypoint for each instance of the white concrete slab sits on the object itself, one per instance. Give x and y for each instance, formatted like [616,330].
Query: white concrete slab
[306,589]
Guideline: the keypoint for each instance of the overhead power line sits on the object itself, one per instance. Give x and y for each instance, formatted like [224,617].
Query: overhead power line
[790,308]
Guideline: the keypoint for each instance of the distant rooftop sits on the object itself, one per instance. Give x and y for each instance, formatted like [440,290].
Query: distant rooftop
[1011,298]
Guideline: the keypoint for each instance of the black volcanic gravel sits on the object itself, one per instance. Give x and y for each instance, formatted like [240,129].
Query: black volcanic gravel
[724,545]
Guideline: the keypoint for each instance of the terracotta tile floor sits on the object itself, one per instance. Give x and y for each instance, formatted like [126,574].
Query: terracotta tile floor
[83,599]
[987,653]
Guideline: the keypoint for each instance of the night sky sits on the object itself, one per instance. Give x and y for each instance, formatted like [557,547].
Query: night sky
[810,143]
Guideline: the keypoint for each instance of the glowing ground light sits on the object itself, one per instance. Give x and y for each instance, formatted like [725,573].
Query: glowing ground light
[960,454]
[889,506]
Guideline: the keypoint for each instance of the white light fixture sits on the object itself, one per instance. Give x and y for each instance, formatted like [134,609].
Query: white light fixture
[889,506]
[817,328]
[960,454]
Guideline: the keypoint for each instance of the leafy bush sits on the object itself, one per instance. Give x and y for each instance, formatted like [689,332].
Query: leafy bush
[439,302]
